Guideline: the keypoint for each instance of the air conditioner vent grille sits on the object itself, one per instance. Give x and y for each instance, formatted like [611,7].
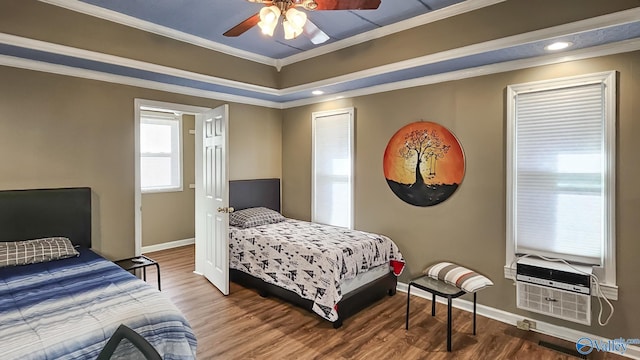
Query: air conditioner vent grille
[558,303]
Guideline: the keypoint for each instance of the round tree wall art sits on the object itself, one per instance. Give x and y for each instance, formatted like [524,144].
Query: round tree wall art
[423,163]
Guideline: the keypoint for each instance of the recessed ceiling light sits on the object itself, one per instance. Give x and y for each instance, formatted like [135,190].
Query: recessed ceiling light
[317,92]
[558,45]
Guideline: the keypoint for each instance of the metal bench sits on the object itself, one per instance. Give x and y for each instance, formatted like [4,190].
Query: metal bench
[448,280]
[440,288]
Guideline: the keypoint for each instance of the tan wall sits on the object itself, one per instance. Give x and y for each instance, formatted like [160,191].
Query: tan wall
[58,131]
[170,216]
[470,227]
[41,21]
[498,21]
[255,141]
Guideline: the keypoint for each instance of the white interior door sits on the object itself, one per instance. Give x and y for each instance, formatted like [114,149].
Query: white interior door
[212,197]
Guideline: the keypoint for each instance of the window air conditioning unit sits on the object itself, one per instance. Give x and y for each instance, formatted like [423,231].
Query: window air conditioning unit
[554,289]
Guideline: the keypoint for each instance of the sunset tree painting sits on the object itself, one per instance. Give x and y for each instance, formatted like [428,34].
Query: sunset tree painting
[423,163]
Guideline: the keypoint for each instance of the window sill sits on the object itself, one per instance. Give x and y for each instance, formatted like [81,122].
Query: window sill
[161,190]
[609,290]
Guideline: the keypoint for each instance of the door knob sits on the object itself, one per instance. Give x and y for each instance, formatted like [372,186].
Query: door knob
[225,209]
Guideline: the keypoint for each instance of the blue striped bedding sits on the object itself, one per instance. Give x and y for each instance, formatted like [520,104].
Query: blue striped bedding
[68,309]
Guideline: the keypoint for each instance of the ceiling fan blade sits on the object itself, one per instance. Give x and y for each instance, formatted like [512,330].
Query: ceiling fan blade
[243,26]
[314,33]
[347,4]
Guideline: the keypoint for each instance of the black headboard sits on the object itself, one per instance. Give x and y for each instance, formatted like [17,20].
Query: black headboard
[253,193]
[33,214]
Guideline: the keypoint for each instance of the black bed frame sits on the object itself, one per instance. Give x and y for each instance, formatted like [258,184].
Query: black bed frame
[266,192]
[39,213]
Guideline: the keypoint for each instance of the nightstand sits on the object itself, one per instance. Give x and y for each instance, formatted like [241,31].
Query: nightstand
[139,262]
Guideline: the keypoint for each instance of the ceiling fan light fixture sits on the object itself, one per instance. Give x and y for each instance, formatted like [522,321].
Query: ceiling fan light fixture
[290,31]
[269,16]
[293,23]
[310,4]
[296,17]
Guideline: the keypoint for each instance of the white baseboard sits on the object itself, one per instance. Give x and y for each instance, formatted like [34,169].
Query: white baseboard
[168,245]
[542,327]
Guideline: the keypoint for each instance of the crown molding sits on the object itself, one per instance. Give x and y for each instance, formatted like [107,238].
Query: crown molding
[599,22]
[130,63]
[535,36]
[602,50]
[604,21]
[27,64]
[450,11]
[432,16]
[114,16]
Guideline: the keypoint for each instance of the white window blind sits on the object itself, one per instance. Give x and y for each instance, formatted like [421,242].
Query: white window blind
[561,194]
[332,178]
[160,152]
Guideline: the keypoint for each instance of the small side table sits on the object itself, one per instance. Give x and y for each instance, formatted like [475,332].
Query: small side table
[139,262]
[440,288]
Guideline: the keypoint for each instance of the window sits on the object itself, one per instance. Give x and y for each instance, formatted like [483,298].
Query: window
[332,178]
[560,171]
[160,151]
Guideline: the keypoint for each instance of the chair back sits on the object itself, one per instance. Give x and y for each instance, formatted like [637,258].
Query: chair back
[128,344]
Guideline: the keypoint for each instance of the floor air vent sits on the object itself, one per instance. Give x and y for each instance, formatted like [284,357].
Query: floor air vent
[561,349]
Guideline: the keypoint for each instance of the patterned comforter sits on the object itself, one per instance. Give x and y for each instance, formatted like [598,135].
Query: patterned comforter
[68,309]
[309,259]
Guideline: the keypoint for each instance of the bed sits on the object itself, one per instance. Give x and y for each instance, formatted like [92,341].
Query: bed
[332,271]
[69,308]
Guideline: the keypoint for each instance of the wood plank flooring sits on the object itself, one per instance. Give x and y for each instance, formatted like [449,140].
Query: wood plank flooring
[244,325]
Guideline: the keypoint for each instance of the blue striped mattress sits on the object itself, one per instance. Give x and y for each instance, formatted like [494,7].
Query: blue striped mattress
[68,309]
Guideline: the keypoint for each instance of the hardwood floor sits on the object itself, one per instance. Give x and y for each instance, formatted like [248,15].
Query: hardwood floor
[244,325]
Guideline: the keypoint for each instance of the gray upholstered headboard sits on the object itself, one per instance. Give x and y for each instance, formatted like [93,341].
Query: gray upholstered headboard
[39,213]
[253,193]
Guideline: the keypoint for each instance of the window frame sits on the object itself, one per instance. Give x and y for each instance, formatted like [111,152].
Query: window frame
[315,116]
[147,116]
[607,271]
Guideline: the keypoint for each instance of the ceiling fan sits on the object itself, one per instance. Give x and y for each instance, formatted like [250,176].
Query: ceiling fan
[294,21]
